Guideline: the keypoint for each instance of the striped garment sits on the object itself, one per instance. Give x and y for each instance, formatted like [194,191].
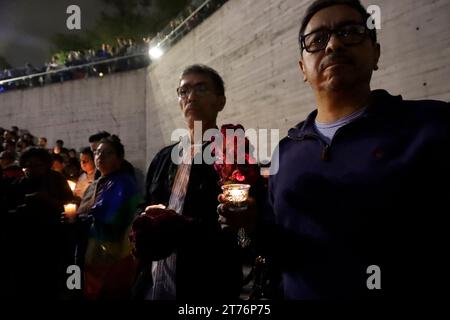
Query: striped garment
[164,271]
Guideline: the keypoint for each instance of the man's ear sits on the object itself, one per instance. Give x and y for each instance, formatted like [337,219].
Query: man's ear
[221,103]
[376,56]
[302,69]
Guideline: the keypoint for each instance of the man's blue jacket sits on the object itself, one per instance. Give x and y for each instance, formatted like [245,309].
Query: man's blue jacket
[377,195]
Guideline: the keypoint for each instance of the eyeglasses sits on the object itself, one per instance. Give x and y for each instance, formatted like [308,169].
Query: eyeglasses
[349,35]
[200,89]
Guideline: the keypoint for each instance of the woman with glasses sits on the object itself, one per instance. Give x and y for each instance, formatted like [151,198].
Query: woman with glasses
[107,210]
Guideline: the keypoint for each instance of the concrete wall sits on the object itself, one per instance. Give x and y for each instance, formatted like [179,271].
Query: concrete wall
[253,44]
[74,110]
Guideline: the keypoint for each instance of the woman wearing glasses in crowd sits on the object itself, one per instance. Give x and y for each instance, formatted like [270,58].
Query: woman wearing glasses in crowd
[106,212]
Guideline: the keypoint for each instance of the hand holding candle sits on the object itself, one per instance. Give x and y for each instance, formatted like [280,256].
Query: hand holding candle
[70,211]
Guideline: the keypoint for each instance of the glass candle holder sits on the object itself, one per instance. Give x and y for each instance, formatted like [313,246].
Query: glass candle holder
[70,210]
[237,194]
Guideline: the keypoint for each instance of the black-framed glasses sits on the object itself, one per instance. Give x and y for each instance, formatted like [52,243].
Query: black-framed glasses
[200,89]
[349,35]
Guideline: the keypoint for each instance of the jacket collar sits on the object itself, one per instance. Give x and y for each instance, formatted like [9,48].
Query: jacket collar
[380,104]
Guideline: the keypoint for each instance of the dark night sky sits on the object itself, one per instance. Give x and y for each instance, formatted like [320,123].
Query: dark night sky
[27,25]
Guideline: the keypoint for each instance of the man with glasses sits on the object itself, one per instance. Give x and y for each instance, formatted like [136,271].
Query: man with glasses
[362,187]
[183,251]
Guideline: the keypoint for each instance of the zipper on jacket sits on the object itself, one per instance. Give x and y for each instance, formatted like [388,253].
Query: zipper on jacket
[325,154]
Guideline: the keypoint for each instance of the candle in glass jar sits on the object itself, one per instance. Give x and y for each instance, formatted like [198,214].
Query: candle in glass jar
[237,194]
[70,210]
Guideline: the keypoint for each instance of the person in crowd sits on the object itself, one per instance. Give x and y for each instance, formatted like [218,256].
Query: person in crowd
[72,153]
[103,222]
[94,141]
[9,145]
[359,200]
[10,135]
[72,169]
[22,144]
[58,163]
[10,167]
[184,253]
[42,142]
[88,167]
[59,147]
[39,248]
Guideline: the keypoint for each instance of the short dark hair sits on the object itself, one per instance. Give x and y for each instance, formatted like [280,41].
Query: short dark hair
[208,71]
[57,157]
[59,141]
[114,141]
[35,152]
[8,155]
[318,5]
[87,151]
[99,136]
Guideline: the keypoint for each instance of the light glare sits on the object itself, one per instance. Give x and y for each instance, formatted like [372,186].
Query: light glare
[155,52]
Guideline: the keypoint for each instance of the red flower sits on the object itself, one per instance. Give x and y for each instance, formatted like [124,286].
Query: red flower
[237,175]
[227,166]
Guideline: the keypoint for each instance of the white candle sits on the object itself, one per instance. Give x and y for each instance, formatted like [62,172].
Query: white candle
[70,210]
[236,193]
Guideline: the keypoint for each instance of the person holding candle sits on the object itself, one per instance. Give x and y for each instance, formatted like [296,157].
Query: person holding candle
[183,251]
[103,221]
[88,167]
[40,247]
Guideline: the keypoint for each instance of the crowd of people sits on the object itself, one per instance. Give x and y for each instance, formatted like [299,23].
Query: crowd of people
[35,184]
[354,209]
[126,54]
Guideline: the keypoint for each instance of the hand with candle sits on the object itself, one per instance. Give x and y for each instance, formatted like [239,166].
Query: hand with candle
[70,213]
[237,170]
[245,217]
[155,233]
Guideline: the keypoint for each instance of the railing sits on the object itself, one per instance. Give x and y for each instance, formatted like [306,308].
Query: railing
[173,33]
[169,37]
[65,69]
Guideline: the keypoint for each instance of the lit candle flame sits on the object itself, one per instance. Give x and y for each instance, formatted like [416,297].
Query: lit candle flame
[71,185]
[70,209]
[236,193]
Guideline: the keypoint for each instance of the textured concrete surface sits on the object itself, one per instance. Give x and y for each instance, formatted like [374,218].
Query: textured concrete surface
[253,44]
